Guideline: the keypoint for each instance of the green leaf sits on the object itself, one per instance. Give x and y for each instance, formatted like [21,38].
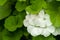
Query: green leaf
[0,35]
[20,6]
[57,0]
[10,23]
[21,0]
[2,2]
[1,28]
[15,12]
[54,13]
[14,22]
[4,12]
[25,32]
[50,38]
[55,18]
[43,38]
[50,0]
[36,6]
[12,35]
[57,21]
[13,0]
[20,17]
[31,11]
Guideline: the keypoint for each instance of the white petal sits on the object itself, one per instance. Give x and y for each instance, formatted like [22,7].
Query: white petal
[41,22]
[31,22]
[32,19]
[27,16]
[51,29]
[48,23]
[37,22]
[40,30]
[47,20]
[36,32]
[46,16]
[26,23]
[57,32]
[45,33]
[27,12]
[30,28]
[41,14]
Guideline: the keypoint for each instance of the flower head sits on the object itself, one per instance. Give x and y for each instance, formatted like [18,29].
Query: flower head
[39,24]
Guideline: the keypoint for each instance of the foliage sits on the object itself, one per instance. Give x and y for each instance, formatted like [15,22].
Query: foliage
[12,14]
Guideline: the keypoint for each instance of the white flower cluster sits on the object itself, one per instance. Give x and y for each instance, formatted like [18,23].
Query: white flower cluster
[39,24]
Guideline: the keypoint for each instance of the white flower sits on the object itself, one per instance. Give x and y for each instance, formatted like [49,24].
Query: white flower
[39,24]
[57,32]
[48,30]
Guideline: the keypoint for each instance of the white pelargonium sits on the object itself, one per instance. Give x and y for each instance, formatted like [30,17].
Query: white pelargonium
[39,24]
